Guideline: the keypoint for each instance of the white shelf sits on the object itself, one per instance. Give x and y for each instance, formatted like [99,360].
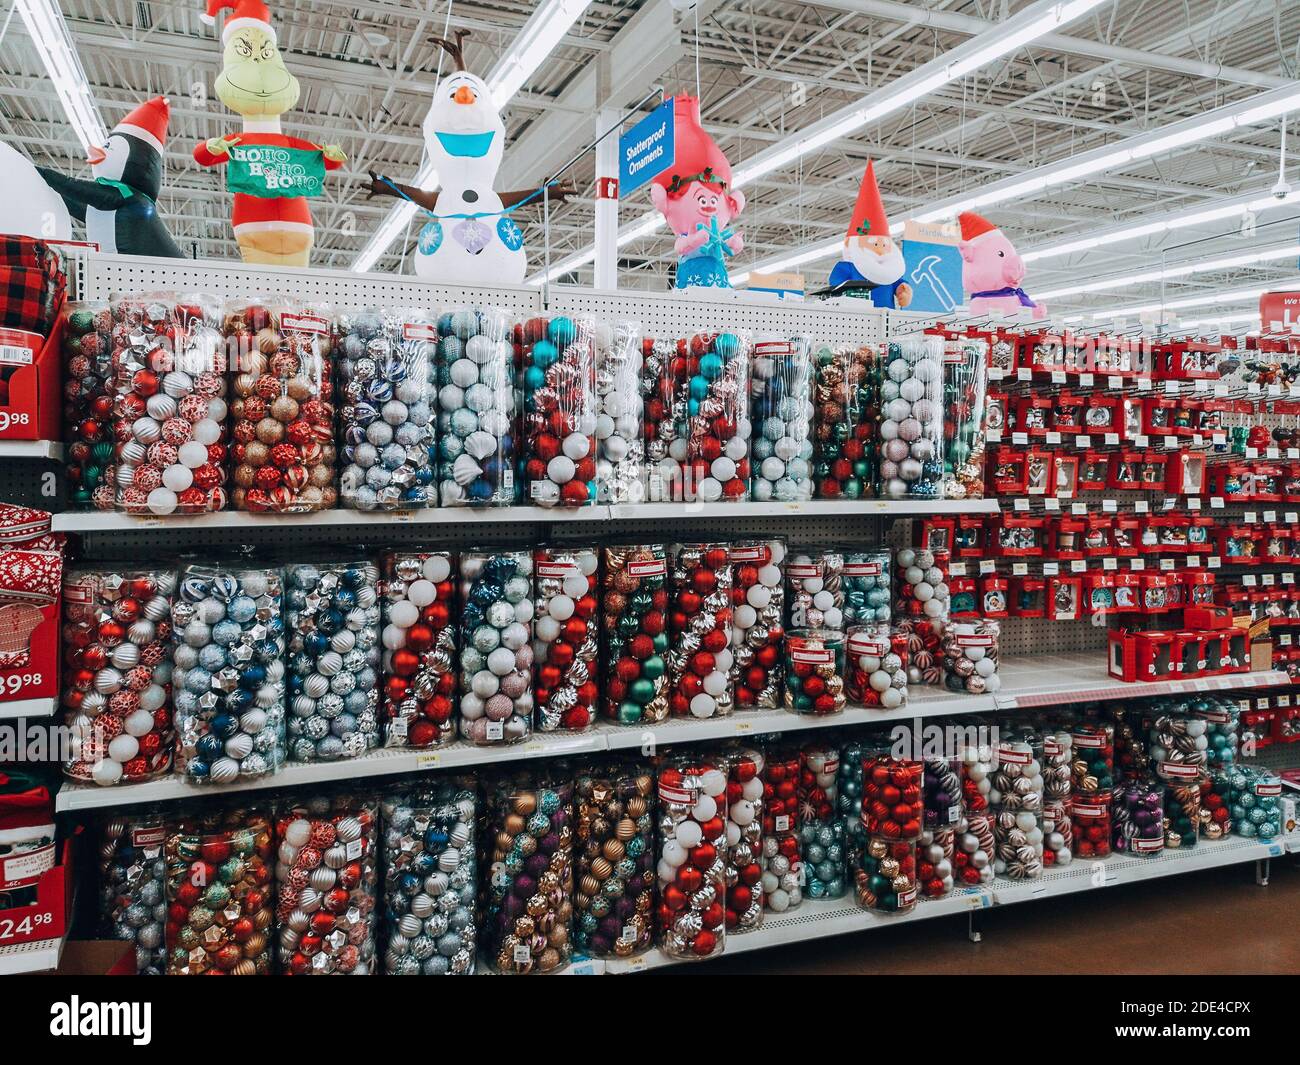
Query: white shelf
[110,521]
[1050,680]
[27,708]
[31,449]
[818,919]
[38,956]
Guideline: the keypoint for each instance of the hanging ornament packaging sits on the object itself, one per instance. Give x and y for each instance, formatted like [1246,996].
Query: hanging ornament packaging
[419,639]
[620,443]
[282,453]
[846,453]
[228,672]
[220,894]
[527,902]
[758,633]
[634,605]
[326,882]
[430,879]
[565,669]
[133,884]
[117,673]
[476,408]
[88,347]
[781,413]
[387,389]
[614,818]
[169,408]
[496,654]
[700,658]
[559,416]
[692,858]
[332,618]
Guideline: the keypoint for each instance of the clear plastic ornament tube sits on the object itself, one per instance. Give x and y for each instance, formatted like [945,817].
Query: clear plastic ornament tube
[566,670]
[620,442]
[117,673]
[758,629]
[88,343]
[1139,818]
[614,824]
[220,893]
[283,455]
[887,879]
[430,879]
[783,877]
[934,855]
[1016,799]
[781,413]
[327,880]
[965,386]
[386,361]
[634,632]
[744,839]
[665,397]
[559,410]
[911,427]
[496,654]
[822,844]
[169,406]
[700,656]
[478,408]
[718,466]
[815,576]
[527,889]
[332,619]
[847,394]
[865,581]
[420,639]
[970,656]
[133,885]
[876,667]
[228,672]
[814,671]
[691,867]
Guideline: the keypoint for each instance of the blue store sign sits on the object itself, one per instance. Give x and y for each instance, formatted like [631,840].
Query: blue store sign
[647,149]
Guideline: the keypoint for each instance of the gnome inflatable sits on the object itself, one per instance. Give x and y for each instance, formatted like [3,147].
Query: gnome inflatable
[119,208]
[469,237]
[271,174]
[872,264]
[697,201]
[991,270]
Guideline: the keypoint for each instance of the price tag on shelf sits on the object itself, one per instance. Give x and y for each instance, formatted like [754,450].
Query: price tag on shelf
[1250,517]
[1058,377]
[1083,442]
[1288,578]
[1218,439]
[1020,438]
[1193,502]
[1274,390]
[1171,441]
[1144,384]
[1284,639]
[1248,579]
[1137,565]
[995,373]
[1290,517]
[1109,506]
[427,760]
[1283,700]
[1078,565]
[1053,437]
[1216,502]
[1252,389]
[1110,563]
[1270,515]
[1166,565]
[1024,373]
[1019,569]
[1141,440]
[1114,383]
[988,565]
[1021,504]
[1169,502]
[743,726]
[1293,452]
[1194,561]
[1267,580]
[994,436]
[1213,562]
[1272,453]
[957,569]
[1051,503]
[1141,506]
[1051,569]
[1200,385]
[1171,388]
[1197,440]
[1220,388]
[1252,452]
[1112,438]
[1085,380]
[1078,508]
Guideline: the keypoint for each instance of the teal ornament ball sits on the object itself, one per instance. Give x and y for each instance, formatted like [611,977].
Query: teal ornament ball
[561,331]
[711,366]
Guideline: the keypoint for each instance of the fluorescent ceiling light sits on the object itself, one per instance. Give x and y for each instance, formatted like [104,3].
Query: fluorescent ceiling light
[1036,20]
[1196,216]
[1236,295]
[535,41]
[49,32]
[1227,262]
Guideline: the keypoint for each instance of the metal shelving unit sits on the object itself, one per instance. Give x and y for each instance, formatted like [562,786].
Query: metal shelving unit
[20,708]
[38,956]
[31,449]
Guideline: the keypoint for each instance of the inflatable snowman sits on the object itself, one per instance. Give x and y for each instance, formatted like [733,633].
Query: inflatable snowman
[29,208]
[470,239]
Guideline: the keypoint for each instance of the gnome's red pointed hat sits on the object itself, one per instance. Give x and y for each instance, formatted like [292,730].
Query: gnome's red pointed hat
[148,122]
[697,157]
[869,218]
[974,226]
[246,13]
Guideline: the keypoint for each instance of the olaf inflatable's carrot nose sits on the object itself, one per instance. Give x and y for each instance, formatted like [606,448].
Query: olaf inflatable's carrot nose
[464,95]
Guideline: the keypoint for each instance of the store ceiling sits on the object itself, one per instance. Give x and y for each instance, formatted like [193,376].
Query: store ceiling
[766,69]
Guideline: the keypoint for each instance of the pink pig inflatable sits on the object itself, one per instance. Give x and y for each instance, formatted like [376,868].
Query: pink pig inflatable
[991,270]
[696,199]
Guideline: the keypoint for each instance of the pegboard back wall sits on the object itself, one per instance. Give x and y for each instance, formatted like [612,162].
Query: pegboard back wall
[675,314]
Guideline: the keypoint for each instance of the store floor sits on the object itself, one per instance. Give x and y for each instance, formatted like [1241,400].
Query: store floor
[1218,921]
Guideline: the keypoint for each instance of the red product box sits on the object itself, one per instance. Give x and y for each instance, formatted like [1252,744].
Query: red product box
[1034,415]
[1121,655]
[1007,472]
[1277,544]
[1185,473]
[1102,415]
[1065,538]
[1199,593]
[993,597]
[1158,415]
[997,414]
[1065,474]
[1028,597]
[1176,592]
[48,916]
[1151,470]
[1153,592]
[1260,724]
[1200,534]
[1099,535]
[936,535]
[1128,587]
[1124,469]
[1171,532]
[1208,617]
[1237,544]
[31,596]
[1038,471]
[1187,653]
[1270,483]
[33,405]
[1130,417]
[1155,659]
[1127,535]
[964,600]
[1065,598]
[1233,479]
[1099,592]
[1067,417]
[1094,471]
[1017,536]
[1286,724]
[969,536]
[1207,417]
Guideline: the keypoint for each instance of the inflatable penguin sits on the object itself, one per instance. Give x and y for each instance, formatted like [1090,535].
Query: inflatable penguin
[119,208]
[471,239]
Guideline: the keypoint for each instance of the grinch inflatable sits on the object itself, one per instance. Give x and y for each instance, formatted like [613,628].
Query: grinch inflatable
[272,175]
[872,264]
[697,201]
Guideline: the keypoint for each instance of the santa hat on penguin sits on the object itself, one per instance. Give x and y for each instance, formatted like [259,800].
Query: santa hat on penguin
[246,13]
[148,123]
